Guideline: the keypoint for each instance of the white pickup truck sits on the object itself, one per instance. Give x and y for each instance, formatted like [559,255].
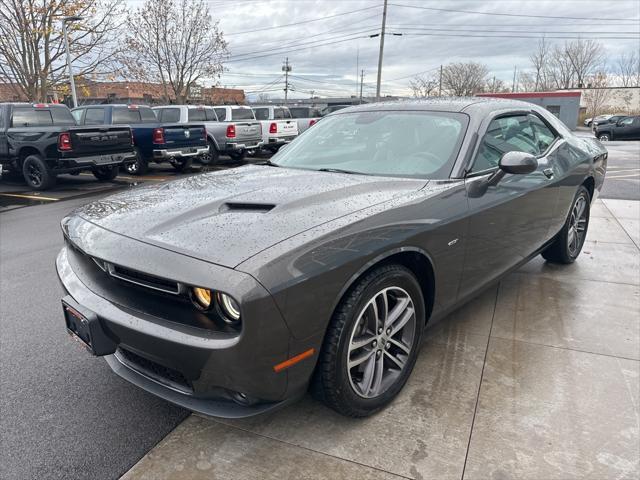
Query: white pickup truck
[278,126]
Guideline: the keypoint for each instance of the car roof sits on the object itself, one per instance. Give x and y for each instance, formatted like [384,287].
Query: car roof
[477,105]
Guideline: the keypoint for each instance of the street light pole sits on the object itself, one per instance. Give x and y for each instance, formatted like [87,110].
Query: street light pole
[66,44]
[384,22]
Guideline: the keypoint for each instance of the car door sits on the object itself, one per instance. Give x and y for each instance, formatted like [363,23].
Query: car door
[510,220]
[624,129]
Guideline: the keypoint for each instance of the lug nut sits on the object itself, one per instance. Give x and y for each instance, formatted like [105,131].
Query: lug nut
[387,346]
[379,331]
[378,353]
[388,331]
[375,342]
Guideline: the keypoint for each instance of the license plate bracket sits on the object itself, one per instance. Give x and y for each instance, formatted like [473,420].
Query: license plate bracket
[84,326]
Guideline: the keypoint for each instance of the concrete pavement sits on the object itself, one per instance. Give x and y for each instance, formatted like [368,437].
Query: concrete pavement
[537,378]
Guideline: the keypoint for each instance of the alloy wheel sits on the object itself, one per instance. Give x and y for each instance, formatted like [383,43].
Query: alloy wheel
[34,174]
[381,342]
[577,226]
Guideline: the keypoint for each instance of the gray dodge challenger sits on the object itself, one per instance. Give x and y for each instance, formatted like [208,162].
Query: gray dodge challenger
[235,292]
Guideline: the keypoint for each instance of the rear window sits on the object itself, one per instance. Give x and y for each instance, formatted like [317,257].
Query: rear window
[221,114]
[169,115]
[34,117]
[261,113]
[196,115]
[280,113]
[242,114]
[127,115]
[299,112]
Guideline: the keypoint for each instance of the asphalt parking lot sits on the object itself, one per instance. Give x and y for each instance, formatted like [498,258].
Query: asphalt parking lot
[538,378]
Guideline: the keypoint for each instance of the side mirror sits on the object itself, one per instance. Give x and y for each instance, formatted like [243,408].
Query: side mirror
[518,163]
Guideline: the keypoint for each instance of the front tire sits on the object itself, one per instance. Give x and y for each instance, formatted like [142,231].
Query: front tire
[372,342]
[105,174]
[183,165]
[569,242]
[37,174]
[604,137]
[139,166]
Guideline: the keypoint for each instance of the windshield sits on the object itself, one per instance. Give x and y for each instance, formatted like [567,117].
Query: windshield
[394,143]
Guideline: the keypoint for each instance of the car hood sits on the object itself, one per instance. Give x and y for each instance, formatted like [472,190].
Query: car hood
[228,216]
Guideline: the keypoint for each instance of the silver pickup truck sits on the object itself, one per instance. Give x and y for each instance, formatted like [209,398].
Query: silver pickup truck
[233,137]
[278,126]
[305,116]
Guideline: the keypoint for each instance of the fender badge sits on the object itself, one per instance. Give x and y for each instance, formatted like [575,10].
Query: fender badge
[453,242]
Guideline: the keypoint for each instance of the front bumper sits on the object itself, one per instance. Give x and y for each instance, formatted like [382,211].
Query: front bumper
[172,153]
[200,369]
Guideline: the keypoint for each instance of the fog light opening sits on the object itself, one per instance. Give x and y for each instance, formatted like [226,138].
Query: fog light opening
[201,298]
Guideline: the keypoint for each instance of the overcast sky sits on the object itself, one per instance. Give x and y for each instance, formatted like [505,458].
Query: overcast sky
[330,70]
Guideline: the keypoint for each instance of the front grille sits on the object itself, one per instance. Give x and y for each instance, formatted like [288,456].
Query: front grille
[143,279]
[158,372]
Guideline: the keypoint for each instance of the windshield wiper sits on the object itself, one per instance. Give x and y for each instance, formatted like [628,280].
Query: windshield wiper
[336,170]
[267,162]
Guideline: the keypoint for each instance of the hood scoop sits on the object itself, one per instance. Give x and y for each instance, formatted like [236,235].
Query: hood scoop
[246,207]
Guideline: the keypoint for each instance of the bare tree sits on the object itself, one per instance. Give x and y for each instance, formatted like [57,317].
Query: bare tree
[32,53]
[585,56]
[529,81]
[597,96]
[560,69]
[423,87]
[628,70]
[540,62]
[463,79]
[175,44]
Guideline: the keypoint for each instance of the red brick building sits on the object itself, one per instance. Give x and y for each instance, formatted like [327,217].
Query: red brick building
[91,92]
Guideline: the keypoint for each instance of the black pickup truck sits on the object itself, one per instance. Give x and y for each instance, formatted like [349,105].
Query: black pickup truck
[625,128]
[42,140]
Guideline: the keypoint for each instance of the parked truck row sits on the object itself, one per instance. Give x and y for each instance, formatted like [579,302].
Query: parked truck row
[40,141]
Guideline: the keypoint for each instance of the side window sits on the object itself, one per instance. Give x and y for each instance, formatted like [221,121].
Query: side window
[94,116]
[544,135]
[261,113]
[77,115]
[505,134]
[221,113]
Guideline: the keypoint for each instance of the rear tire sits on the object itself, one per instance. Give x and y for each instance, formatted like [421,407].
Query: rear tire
[569,242]
[183,165]
[105,174]
[212,157]
[37,174]
[139,166]
[238,156]
[360,330]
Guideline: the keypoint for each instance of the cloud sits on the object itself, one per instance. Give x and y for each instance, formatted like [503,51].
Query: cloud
[331,69]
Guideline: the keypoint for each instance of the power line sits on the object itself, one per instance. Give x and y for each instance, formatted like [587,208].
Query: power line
[293,50]
[499,14]
[301,22]
[467,35]
[518,31]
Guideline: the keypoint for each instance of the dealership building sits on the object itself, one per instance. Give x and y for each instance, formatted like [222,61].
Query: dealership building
[565,105]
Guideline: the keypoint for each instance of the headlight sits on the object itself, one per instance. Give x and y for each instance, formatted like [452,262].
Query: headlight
[229,307]
[201,297]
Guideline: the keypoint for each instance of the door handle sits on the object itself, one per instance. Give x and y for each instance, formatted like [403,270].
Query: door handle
[548,172]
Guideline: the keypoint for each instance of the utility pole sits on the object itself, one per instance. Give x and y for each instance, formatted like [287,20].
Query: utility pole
[513,88]
[493,85]
[66,44]
[286,68]
[357,67]
[361,83]
[440,86]
[384,23]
